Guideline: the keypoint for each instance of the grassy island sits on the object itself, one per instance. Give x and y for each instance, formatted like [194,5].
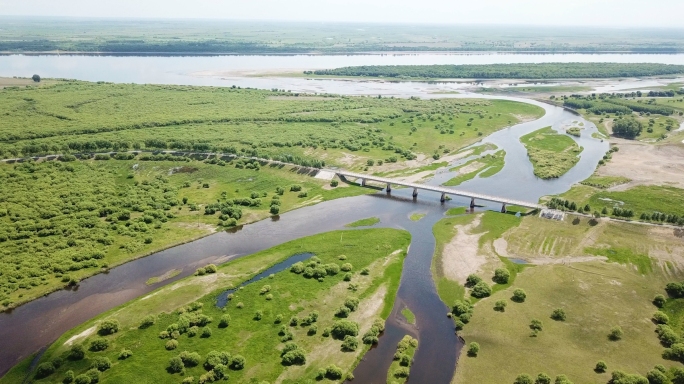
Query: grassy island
[552,154]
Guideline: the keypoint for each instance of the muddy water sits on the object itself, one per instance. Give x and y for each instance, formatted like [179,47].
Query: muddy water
[38,323]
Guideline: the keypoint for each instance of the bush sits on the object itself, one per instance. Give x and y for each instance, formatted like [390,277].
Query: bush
[342,328]
[472,280]
[147,321]
[44,370]
[519,296]
[660,318]
[77,352]
[225,321]
[190,359]
[347,276]
[237,363]
[352,303]
[350,343]
[346,267]
[297,267]
[175,364]
[536,325]
[523,379]
[615,333]
[562,379]
[501,276]
[68,377]
[655,376]
[401,372]
[659,301]
[101,364]
[171,345]
[292,355]
[206,332]
[619,377]
[627,127]
[125,354]
[558,314]
[108,327]
[500,305]
[82,379]
[333,372]
[543,378]
[334,183]
[342,312]
[473,349]
[481,290]
[601,366]
[215,358]
[99,345]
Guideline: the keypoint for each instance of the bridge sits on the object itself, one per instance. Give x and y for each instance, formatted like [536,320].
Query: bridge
[362,179]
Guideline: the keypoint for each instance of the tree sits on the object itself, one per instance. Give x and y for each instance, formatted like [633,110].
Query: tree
[615,333]
[350,343]
[627,127]
[501,276]
[274,210]
[558,314]
[604,211]
[601,366]
[108,327]
[99,345]
[44,370]
[472,280]
[77,352]
[500,305]
[36,78]
[543,378]
[523,379]
[473,349]
[481,290]
[237,363]
[519,296]
[536,325]
[147,321]
[101,363]
[655,376]
[660,318]
[175,364]
[659,301]
[562,379]
[342,328]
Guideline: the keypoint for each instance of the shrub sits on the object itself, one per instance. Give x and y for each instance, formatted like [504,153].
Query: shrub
[206,332]
[240,305]
[404,360]
[77,352]
[326,332]
[224,321]
[401,372]
[481,290]
[278,319]
[536,325]
[294,321]
[615,333]
[601,366]
[312,330]
[295,188]
[190,359]
[297,267]
[99,345]
[342,312]
[619,377]
[211,268]
[473,349]
[332,269]
[348,276]
[352,303]
[292,355]
[175,364]
[237,363]
[519,296]
[346,267]
[500,305]
[627,127]
[125,354]
[523,379]
[334,183]
[215,358]
[164,335]
[342,328]
[501,276]
[44,370]
[365,271]
[108,327]
[147,321]
[562,379]
[171,345]
[660,318]
[558,314]
[350,343]
[68,377]
[659,301]
[101,364]
[655,376]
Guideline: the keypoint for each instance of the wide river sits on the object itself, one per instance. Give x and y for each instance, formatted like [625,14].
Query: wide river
[35,325]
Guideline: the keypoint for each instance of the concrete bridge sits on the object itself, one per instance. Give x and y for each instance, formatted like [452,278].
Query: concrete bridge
[362,179]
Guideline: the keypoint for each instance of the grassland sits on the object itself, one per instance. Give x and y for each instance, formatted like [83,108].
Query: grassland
[551,153]
[604,182]
[63,221]
[417,216]
[253,330]
[399,370]
[74,117]
[485,166]
[408,315]
[595,295]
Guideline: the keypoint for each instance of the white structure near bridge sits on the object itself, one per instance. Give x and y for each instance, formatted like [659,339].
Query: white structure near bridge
[362,179]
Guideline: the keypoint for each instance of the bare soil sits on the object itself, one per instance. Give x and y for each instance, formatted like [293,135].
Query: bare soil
[462,256]
[646,164]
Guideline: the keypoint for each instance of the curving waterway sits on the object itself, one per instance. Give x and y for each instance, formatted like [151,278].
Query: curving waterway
[36,324]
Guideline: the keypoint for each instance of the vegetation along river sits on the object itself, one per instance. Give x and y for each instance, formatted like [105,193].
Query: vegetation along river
[36,324]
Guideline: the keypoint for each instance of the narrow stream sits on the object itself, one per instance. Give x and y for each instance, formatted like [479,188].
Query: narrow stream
[38,323]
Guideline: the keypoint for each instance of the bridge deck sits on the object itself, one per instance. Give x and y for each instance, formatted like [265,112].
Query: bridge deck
[448,191]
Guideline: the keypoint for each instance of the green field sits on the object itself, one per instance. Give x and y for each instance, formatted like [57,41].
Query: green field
[252,329]
[604,182]
[73,117]
[63,221]
[552,154]
[399,370]
[485,166]
[364,222]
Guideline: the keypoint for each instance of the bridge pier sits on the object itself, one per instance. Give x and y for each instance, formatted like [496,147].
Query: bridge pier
[415,192]
[389,187]
[472,202]
[443,198]
[363,182]
[503,208]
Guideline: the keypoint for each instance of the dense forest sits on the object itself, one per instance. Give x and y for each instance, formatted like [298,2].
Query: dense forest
[618,104]
[507,71]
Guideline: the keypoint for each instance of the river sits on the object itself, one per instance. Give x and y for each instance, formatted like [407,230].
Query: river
[38,323]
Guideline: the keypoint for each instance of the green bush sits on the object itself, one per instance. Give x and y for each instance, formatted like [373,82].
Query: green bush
[519,296]
[536,325]
[147,321]
[501,276]
[237,363]
[659,301]
[171,345]
[101,364]
[206,332]
[224,321]
[601,366]
[99,345]
[655,376]
[68,377]
[190,359]
[562,379]
[523,379]
[333,372]
[108,327]
[44,370]
[660,318]
[558,314]
[472,280]
[76,352]
[342,328]
[473,349]
[82,379]
[175,364]
[401,372]
[125,354]
[481,290]
[616,333]
[543,378]
[350,343]
[500,305]
[215,358]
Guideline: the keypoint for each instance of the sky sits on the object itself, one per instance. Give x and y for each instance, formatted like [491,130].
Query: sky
[610,13]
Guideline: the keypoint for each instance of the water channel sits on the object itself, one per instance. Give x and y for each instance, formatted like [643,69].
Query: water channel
[38,323]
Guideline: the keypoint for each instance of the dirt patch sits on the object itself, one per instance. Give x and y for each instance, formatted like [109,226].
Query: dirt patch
[207,227]
[565,260]
[183,169]
[645,164]
[461,255]
[416,177]
[472,167]
[302,98]
[80,336]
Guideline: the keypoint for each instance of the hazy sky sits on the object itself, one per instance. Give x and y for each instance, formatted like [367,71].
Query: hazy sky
[653,13]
